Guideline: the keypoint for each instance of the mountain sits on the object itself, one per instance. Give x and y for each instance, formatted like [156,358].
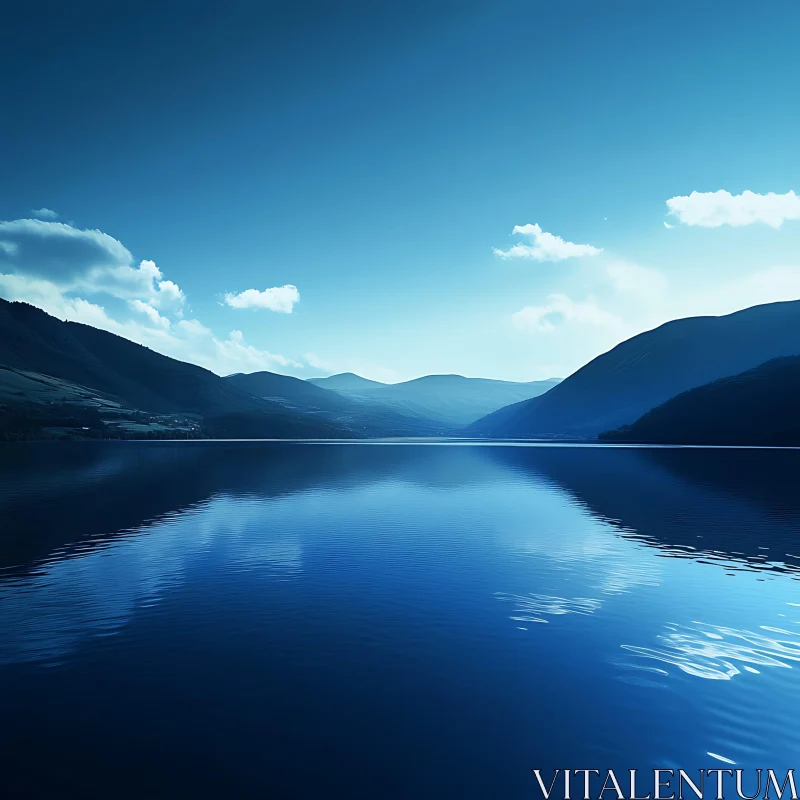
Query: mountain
[364,415]
[109,386]
[67,376]
[757,407]
[31,339]
[450,399]
[284,387]
[346,382]
[617,387]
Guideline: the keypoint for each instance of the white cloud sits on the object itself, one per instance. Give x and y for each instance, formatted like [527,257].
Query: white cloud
[226,356]
[88,261]
[144,282]
[640,282]
[51,298]
[44,213]
[168,295]
[194,327]
[561,309]
[57,251]
[37,292]
[150,313]
[545,246]
[185,339]
[713,209]
[55,266]
[279,298]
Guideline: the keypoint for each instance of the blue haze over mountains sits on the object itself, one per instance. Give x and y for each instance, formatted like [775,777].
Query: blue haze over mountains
[69,376]
[398,398]
[67,380]
[452,399]
[645,371]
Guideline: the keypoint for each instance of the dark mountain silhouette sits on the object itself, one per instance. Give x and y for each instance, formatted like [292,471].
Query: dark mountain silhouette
[757,407]
[65,374]
[617,387]
[120,371]
[31,339]
[452,399]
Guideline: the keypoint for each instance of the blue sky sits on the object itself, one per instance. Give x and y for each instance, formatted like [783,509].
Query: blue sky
[366,161]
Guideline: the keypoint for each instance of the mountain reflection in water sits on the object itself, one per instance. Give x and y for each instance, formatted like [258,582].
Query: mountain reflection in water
[239,614]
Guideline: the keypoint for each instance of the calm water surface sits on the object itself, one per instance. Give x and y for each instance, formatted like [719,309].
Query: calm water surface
[220,620]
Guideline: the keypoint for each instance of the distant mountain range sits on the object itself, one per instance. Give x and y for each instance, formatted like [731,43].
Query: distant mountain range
[112,386]
[362,416]
[711,380]
[757,407]
[451,399]
[65,378]
[618,387]
[347,382]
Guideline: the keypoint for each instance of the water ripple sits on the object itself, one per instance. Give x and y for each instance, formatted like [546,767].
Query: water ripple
[531,607]
[716,652]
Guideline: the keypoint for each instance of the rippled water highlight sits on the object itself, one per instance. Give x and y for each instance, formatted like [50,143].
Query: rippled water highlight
[214,619]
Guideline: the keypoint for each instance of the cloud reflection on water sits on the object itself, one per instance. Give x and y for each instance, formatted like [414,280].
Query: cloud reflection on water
[47,614]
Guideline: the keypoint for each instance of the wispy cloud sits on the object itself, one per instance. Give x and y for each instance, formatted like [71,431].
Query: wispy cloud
[44,213]
[545,246]
[642,283]
[57,267]
[770,285]
[560,309]
[714,209]
[151,314]
[281,299]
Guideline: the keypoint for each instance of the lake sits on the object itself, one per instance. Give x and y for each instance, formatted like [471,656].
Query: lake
[398,620]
